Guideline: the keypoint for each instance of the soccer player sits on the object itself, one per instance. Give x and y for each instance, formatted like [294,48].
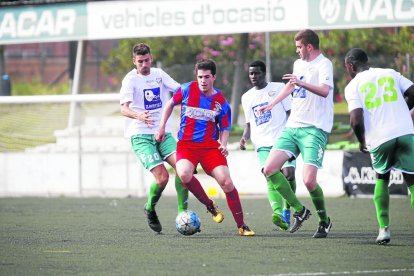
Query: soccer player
[381,120]
[202,138]
[144,93]
[264,129]
[307,128]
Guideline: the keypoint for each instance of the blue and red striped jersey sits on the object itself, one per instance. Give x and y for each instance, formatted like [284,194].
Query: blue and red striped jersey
[202,117]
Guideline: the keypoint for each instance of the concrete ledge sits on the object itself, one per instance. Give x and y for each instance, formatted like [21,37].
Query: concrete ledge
[118,174]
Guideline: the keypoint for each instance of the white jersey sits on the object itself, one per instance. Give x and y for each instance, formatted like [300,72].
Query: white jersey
[265,127]
[309,109]
[379,92]
[150,93]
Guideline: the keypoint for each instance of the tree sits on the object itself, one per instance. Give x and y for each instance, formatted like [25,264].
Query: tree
[167,51]
[387,47]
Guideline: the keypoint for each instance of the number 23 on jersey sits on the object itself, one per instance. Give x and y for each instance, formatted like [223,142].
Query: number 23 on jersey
[380,92]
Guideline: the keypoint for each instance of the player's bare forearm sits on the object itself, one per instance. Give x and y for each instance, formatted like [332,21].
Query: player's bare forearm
[357,124]
[360,134]
[286,90]
[245,137]
[224,137]
[144,117]
[160,134]
[166,114]
[320,90]
[127,112]
[409,98]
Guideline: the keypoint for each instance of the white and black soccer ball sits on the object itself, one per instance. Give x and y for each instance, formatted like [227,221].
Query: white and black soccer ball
[188,223]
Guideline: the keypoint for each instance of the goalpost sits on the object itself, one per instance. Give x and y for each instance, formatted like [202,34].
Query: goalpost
[37,116]
[42,153]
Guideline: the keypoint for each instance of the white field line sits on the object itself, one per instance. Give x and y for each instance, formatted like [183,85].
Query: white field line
[395,270]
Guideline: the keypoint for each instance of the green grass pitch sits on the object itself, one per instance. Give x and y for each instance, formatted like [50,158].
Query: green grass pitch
[102,236]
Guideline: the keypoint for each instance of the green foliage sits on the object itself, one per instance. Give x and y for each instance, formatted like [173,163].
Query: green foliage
[386,48]
[169,51]
[177,56]
[341,108]
[37,88]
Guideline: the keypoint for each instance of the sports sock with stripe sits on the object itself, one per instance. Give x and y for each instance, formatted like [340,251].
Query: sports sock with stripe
[154,195]
[319,203]
[411,188]
[293,186]
[382,202]
[182,195]
[197,190]
[233,201]
[282,186]
[275,199]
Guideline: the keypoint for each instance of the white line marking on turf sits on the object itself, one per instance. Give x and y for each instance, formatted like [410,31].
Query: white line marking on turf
[396,270]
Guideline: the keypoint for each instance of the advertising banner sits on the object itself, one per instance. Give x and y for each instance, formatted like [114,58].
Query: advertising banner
[359,176]
[341,14]
[175,18]
[92,20]
[45,23]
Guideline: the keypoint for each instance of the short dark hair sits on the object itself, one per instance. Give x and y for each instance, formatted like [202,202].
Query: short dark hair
[357,57]
[141,49]
[260,64]
[205,64]
[308,37]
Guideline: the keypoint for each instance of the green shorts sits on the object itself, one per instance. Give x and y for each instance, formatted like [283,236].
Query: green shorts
[263,153]
[308,141]
[397,153]
[150,152]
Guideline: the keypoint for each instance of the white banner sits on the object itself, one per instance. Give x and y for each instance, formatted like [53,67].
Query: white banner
[185,17]
[43,23]
[340,14]
[131,19]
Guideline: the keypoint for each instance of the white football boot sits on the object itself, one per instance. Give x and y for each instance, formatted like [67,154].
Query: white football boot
[384,236]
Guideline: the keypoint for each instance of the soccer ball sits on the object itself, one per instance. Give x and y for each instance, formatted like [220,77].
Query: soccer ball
[187,223]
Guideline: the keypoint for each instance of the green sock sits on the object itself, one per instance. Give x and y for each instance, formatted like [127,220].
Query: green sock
[275,199]
[293,187]
[182,195]
[411,188]
[319,203]
[382,202]
[282,186]
[153,196]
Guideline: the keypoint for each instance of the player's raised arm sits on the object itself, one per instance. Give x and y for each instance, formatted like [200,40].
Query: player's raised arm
[320,90]
[282,95]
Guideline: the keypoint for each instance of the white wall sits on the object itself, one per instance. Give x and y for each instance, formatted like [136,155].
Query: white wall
[118,174]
